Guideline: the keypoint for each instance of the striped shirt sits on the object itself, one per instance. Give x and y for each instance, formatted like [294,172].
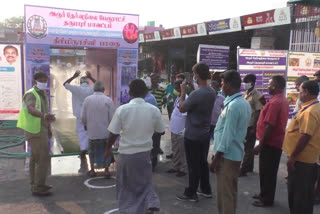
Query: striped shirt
[160,94]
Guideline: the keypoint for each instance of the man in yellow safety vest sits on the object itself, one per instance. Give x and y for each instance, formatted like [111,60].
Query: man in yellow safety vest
[35,120]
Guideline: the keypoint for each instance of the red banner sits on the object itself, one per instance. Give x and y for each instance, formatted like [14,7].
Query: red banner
[167,33]
[259,18]
[267,18]
[306,11]
[189,30]
[148,36]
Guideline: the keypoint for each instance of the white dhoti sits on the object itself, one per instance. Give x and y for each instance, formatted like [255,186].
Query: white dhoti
[82,135]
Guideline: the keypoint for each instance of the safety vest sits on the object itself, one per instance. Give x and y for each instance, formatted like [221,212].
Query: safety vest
[26,121]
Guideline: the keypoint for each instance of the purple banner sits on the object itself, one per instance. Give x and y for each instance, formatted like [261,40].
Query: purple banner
[216,57]
[264,64]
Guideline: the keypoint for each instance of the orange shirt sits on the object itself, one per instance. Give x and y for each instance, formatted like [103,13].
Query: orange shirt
[304,122]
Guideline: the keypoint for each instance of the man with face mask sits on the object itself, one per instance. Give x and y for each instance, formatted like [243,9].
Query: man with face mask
[146,79]
[35,120]
[197,133]
[270,133]
[253,96]
[302,145]
[229,137]
[79,93]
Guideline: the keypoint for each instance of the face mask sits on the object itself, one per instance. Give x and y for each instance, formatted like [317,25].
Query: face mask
[41,86]
[194,79]
[175,92]
[247,85]
[144,75]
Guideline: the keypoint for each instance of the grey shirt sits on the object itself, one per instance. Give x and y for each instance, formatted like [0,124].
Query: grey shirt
[199,107]
[97,113]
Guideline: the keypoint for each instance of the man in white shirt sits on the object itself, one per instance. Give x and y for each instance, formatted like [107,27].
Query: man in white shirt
[135,123]
[79,93]
[96,115]
[146,79]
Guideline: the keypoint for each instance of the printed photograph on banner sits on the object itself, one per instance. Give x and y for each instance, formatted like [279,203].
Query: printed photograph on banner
[128,73]
[294,62]
[124,95]
[292,98]
[11,81]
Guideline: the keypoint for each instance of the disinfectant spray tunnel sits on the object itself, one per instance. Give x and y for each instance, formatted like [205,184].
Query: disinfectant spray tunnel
[62,41]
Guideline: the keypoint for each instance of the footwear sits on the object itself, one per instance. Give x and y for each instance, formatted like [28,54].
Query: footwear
[184,197]
[169,156]
[180,174]
[47,187]
[204,194]
[261,204]
[107,175]
[151,210]
[242,174]
[44,193]
[92,174]
[82,170]
[172,171]
[257,196]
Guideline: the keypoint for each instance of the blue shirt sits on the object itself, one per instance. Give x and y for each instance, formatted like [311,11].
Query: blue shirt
[151,99]
[231,128]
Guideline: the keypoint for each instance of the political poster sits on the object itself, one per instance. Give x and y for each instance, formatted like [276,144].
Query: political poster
[11,76]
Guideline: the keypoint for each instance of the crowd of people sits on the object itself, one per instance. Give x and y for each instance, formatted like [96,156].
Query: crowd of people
[200,112]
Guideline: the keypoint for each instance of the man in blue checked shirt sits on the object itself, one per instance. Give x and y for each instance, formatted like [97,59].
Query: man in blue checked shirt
[229,139]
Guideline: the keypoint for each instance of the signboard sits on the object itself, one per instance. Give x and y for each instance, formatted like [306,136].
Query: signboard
[267,19]
[299,64]
[173,33]
[151,37]
[224,26]
[193,30]
[127,64]
[305,13]
[37,59]
[264,64]
[11,81]
[216,57]
[75,28]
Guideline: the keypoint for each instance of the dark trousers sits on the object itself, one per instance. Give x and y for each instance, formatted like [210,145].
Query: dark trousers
[212,127]
[197,154]
[170,110]
[301,183]
[156,138]
[248,159]
[269,160]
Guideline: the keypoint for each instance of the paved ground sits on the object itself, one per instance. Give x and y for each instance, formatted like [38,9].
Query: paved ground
[72,196]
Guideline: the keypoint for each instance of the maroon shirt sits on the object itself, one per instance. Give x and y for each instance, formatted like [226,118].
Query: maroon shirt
[275,113]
